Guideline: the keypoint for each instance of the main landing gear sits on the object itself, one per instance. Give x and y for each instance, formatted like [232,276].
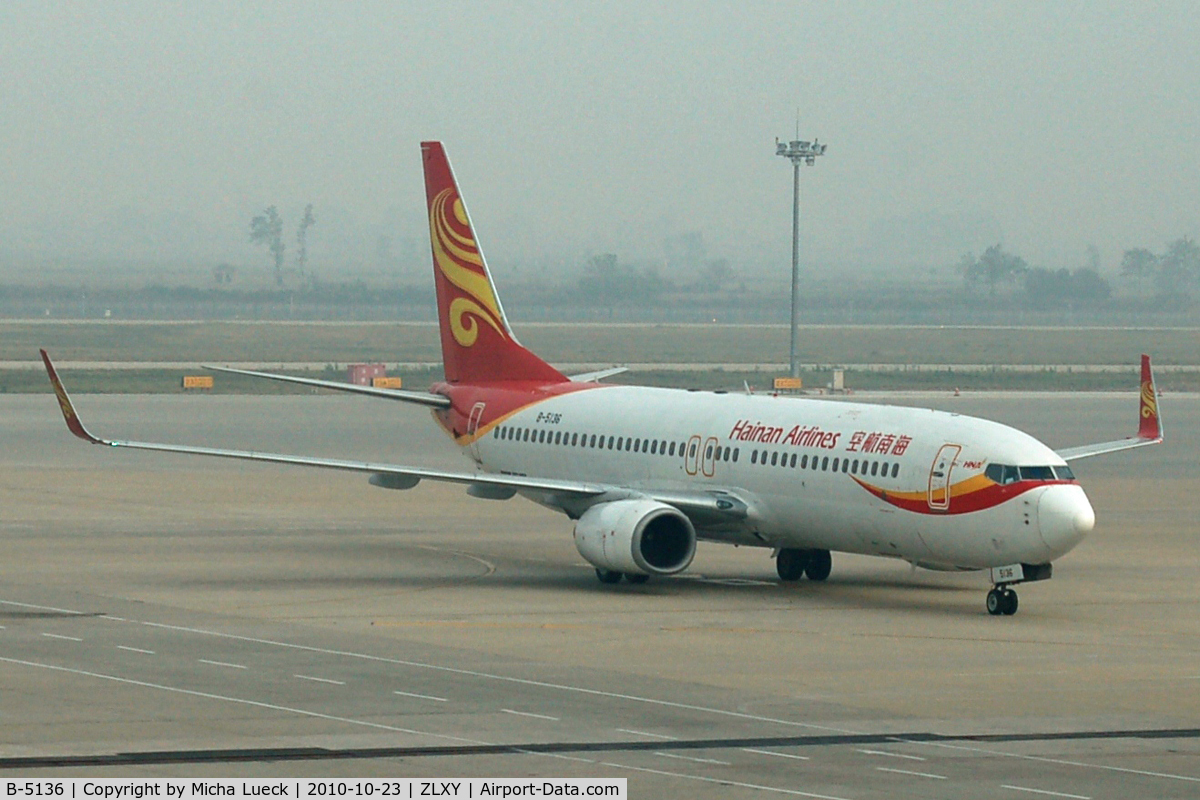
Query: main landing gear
[613,576]
[791,563]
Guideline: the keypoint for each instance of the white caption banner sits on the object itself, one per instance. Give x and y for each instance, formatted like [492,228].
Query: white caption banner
[309,789]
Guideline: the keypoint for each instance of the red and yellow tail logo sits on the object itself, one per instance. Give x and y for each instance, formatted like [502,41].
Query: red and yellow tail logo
[457,258]
[477,344]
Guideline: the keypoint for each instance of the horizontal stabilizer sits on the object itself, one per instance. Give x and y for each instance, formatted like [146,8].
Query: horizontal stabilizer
[598,375]
[420,398]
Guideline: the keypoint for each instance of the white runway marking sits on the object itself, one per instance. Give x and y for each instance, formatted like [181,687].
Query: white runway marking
[1044,791]
[1046,760]
[910,772]
[240,701]
[724,782]
[60,636]
[891,755]
[527,714]
[770,753]
[319,680]
[221,663]
[422,696]
[135,649]
[42,608]
[491,676]
[646,733]
[694,758]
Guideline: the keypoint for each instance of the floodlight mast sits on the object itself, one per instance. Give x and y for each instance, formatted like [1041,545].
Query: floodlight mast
[798,153]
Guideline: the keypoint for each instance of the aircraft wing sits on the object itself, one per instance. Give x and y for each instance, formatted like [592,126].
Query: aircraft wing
[1150,430]
[421,398]
[600,374]
[390,475]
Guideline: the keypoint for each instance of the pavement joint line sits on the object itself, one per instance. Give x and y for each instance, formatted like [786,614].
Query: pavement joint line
[722,782]
[422,696]
[319,680]
[221,663]
[135,649]
[911,772]
[694,758]
[891,755]
[60,636]
[528,714]
[780,755]
[1044,791]
[646,733]
[239,700]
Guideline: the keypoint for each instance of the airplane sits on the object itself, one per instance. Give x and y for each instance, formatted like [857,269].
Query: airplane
[646,472]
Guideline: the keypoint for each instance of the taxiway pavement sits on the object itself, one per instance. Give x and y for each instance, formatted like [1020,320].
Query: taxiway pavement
[172,615]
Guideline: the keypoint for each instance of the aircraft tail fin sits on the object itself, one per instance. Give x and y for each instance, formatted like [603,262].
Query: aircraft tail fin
[478,346]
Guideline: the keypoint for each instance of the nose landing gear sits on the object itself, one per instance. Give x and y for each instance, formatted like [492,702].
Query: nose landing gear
[1002,600]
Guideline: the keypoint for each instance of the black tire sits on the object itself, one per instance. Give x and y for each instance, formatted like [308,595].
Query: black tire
[790,563]
[608,575]
[820,564]
[1010,602]
[995,602]
[635,578]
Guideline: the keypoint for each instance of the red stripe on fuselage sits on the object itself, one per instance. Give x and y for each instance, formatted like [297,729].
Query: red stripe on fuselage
[978,500]
[501,400]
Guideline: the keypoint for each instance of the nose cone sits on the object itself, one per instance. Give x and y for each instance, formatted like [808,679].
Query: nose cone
[1064,517]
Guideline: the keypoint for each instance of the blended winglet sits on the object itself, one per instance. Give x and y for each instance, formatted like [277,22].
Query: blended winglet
[1150,430]
[64,402]
[1149,425]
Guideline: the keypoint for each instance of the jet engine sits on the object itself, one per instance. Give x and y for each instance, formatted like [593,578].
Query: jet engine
[636,537]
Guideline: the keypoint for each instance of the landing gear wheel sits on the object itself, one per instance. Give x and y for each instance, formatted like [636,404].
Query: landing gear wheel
[608,575]
[636,578]
[790,563]
[820,563]
[995,602]
[1002,600]
[1010,602]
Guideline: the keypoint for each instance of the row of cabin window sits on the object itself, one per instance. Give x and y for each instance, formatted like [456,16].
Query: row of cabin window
[656,447]
[855,467]
[652,446]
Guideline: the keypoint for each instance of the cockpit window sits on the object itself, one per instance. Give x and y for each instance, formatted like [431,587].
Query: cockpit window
[1002,473]
[1037,474]
[1064,473]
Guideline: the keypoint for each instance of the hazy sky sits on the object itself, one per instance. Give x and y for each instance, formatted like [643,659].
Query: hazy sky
[154,131]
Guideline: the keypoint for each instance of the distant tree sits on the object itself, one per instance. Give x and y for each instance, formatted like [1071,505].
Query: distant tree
[267,229]
[1139,263]
[302,241]
[1179,268]
[1046,288]
[606,281]
[717,273]
[994,267]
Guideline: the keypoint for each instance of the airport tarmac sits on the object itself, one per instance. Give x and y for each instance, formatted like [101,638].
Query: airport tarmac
[171,615]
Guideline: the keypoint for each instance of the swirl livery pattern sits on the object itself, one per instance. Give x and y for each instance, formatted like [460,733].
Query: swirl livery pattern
[458,260]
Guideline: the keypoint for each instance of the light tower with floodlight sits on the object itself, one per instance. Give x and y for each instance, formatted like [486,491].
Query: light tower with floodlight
[798,153]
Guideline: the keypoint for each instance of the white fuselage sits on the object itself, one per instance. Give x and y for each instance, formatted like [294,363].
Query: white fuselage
[908,483]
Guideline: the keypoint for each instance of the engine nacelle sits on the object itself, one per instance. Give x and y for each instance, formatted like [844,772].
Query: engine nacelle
[639,537]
